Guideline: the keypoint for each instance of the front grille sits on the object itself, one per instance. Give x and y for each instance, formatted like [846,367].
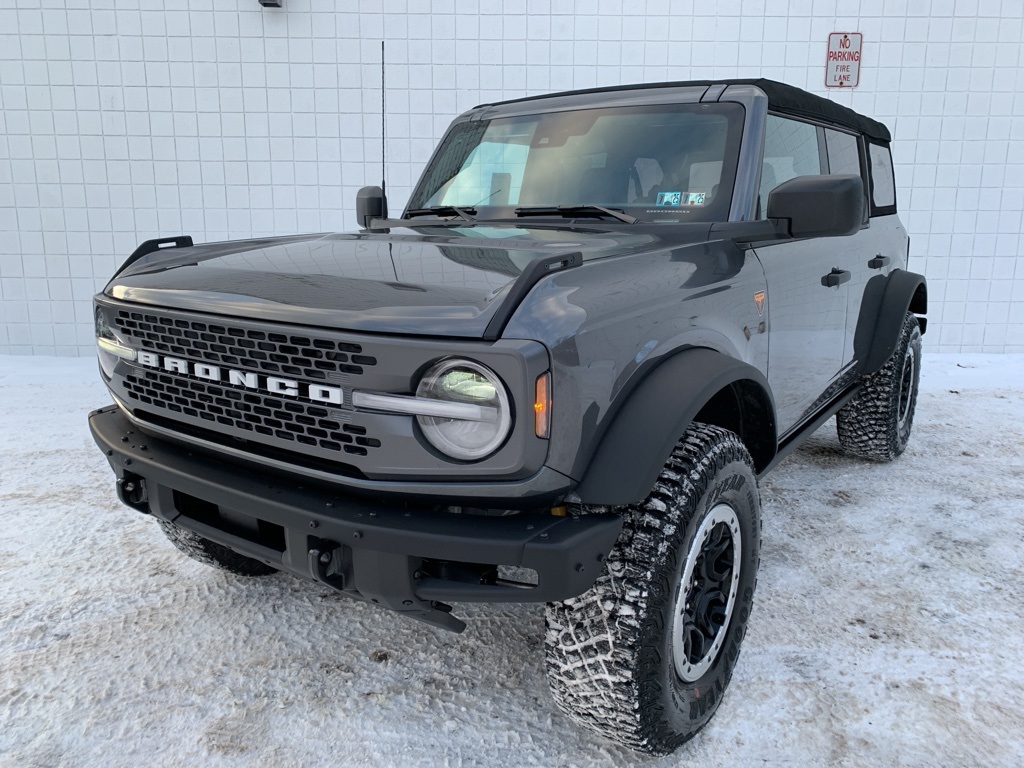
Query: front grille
[248,411]
[314,430]
[267,352]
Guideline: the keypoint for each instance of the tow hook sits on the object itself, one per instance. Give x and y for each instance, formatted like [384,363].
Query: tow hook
[131,490]
[318,560]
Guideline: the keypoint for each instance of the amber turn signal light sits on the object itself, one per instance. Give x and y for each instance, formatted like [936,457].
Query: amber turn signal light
[542,406]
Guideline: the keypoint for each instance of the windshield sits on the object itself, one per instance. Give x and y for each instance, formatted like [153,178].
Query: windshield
[666,163]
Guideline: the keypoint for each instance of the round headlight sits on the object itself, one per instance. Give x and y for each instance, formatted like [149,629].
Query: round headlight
[466,382]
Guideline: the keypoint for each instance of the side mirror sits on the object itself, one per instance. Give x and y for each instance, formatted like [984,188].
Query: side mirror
[819,206]
[371,203]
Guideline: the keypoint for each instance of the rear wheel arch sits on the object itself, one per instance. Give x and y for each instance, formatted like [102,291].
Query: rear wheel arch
[696,384]
[919,301]
[904,292]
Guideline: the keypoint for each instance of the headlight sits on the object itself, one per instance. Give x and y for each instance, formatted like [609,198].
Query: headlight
[469,383]
[102,328]
[107,342]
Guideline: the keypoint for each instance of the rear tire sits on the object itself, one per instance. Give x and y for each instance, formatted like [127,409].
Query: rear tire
[210,553]
[876,424]
[644,657]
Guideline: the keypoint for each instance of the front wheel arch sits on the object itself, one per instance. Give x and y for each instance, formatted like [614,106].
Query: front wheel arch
[696,384]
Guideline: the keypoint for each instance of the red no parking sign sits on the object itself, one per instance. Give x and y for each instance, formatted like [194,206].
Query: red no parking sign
[842,67]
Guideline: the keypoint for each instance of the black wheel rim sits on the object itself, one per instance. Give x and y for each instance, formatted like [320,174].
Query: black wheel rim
[906,387]
[707,593]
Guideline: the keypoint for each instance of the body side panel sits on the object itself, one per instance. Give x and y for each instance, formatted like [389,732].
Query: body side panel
[609,323]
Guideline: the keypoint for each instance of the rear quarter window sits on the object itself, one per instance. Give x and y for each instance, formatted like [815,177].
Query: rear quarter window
[883,183]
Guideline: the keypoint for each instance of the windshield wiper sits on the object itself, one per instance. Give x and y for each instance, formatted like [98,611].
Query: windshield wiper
[443,210]
[576,210]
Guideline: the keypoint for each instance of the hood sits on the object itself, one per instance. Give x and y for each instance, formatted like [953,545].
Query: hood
[436,281]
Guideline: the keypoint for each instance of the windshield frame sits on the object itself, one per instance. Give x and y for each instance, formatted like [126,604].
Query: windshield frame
[472,131]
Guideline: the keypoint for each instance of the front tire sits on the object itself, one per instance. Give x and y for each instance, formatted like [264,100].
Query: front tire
[876,424]
[644,657]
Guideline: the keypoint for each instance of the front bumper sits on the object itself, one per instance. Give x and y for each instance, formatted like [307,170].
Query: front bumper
[407,557]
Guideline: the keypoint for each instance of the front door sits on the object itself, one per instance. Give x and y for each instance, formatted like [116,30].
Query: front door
[806,325]
[806,316]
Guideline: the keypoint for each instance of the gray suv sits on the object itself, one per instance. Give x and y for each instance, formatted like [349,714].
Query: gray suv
[556,377]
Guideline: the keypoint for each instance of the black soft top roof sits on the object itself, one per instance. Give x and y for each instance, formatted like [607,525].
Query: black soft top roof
[782,97]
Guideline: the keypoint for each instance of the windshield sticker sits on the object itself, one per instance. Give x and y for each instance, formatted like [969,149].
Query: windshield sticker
[676,199]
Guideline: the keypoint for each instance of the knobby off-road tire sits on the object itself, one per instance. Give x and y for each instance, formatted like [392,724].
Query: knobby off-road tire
[616,658]
[876,423]
[210,553]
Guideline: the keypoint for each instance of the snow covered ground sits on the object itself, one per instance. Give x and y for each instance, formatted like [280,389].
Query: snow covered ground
[888,626]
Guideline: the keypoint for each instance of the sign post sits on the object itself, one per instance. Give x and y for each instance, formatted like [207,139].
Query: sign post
[842,67]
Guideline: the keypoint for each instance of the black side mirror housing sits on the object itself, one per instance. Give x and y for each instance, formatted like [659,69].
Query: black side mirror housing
[819,206]
[371,203]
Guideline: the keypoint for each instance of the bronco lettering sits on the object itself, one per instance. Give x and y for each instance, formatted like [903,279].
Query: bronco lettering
[276,385]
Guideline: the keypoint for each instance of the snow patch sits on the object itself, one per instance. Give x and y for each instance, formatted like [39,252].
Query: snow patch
[887,627]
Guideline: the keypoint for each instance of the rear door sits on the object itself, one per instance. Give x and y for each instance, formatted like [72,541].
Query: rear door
[883,248]
[877,248]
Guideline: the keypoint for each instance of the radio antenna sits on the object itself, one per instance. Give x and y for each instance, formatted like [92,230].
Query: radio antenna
[383,135]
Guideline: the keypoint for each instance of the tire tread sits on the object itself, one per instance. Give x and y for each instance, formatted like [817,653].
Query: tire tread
[868,425]
[600,673]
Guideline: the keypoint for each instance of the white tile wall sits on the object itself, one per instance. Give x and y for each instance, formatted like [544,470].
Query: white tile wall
[133,119]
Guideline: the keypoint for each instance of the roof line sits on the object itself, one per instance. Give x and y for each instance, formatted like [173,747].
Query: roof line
[781,96]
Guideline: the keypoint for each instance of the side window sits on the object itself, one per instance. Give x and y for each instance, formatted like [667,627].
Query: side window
[790,150]
[843,153]
[883,184]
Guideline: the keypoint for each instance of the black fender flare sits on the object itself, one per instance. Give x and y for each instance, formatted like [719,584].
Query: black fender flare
[904,292]
[657,411]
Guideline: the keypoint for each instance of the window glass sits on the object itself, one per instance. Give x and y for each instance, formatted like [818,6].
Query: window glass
[706,175]
[664,163]
[790,150]
[843,153]
[883,185]
[492,174]
[647,174]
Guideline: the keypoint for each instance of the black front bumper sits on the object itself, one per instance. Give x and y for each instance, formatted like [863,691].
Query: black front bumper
[409,558]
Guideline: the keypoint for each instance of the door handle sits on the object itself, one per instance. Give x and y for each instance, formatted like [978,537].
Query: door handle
[836,277]
[879,261]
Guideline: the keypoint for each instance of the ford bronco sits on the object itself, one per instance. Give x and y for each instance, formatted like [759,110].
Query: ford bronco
[556,377]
